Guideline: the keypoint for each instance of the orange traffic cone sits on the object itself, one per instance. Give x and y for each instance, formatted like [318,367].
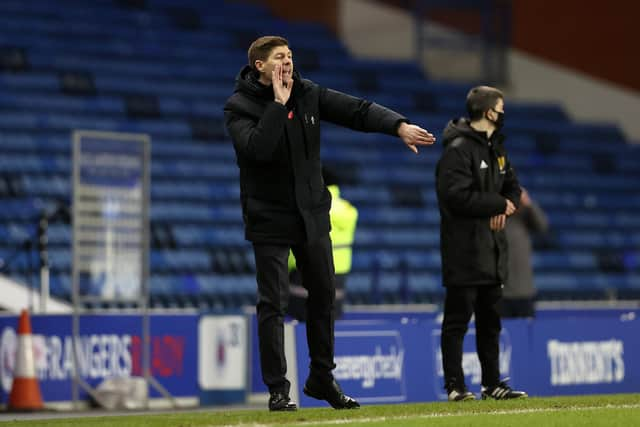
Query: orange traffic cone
[25,391]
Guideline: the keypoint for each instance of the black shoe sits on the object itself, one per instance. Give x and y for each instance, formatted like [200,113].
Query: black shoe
[459,394]
[331,392]
[502,391]
[279,401]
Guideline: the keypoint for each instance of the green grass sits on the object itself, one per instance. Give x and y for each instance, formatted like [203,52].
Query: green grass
[605,410]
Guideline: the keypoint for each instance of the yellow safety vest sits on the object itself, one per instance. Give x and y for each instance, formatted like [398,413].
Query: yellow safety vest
[343,216]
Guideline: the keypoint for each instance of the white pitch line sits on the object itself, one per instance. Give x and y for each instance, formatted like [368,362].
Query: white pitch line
[442,415]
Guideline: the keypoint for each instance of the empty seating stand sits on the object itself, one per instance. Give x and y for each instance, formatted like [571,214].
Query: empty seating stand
[166,67]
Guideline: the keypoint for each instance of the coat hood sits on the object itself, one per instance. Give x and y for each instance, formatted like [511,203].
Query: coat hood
[459,127]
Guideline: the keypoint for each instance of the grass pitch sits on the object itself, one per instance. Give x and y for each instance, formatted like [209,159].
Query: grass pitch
[602,410]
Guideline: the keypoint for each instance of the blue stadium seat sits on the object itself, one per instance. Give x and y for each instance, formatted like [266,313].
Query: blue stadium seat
[358,284]
[425,284]
[569,261]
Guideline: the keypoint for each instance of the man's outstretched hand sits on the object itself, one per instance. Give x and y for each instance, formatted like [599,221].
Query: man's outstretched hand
[413,136]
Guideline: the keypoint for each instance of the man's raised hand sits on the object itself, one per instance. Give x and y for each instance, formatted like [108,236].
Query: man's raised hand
[413,136]
[281,88]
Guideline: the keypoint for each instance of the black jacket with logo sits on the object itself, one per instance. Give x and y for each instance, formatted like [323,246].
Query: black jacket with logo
[284,198]
[473,180]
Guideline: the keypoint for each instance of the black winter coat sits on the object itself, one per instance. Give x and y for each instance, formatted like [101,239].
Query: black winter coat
[473,180]
[284,198]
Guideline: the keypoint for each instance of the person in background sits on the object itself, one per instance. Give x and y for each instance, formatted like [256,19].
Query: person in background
[519,292]
[477,190]
[273,118]
[344,217]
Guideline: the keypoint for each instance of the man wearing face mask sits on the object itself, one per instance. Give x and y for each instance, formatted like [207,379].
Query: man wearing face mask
[477,190]
[273,118]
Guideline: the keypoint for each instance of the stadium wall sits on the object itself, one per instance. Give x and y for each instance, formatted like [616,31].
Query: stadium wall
[587,66]
[376,30]
[382,356]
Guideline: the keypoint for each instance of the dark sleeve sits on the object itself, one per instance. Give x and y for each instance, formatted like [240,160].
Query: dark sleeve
[455,187]
[358,114]
[511,187]
[536,219]
[256,141]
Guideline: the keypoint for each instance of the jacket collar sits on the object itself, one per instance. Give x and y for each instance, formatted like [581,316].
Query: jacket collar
[461,128]
[248,81]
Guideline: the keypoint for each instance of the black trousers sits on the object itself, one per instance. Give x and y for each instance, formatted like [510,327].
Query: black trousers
[315,262]
[517,307]
[460,304]
[298,295]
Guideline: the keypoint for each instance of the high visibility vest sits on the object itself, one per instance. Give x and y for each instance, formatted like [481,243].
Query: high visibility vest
[343,216]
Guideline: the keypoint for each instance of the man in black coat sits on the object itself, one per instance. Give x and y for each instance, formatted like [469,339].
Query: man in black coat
[273,118]
[477,190]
